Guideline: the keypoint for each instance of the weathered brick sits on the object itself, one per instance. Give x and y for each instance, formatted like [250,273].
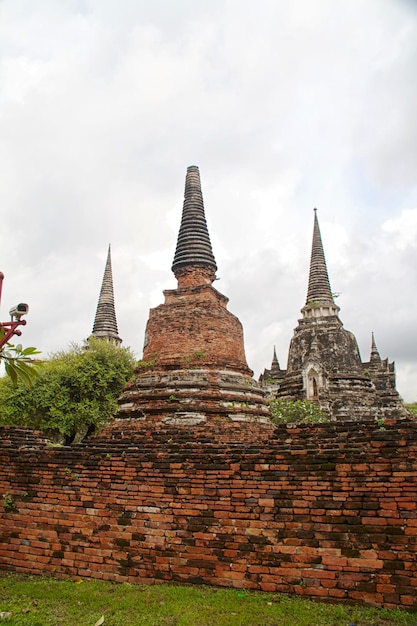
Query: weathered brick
[216,530]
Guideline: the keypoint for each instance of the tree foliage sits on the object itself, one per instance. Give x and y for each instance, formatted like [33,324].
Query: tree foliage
[296,412]
[75,392]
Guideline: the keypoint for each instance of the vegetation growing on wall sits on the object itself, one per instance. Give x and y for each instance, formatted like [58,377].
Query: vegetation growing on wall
[75,393]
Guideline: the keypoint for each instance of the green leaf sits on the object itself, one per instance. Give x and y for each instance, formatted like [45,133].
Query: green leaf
[26,373]
[30,351]
[11,372]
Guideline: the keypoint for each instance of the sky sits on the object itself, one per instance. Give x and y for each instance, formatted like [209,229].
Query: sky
[285,105]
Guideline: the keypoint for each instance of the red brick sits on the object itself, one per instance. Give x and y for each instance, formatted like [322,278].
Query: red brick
[220,512]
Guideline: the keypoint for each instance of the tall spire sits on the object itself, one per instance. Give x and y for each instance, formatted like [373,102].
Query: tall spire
[318,284]
[105,324]
[375,357]
[319,301]
[193,244]
[275,368]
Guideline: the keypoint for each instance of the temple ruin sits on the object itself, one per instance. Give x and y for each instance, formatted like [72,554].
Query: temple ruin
[192,483]
[194,365]
[324,363]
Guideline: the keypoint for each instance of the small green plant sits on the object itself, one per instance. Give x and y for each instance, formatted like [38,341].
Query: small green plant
[313,303]
[172,398]
[199,355]
[147,364]
[9,504]
[366,373]
[187,358]
[71,474]
[296,412]
[381,423]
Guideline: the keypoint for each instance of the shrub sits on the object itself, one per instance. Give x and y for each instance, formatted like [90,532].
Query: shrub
[296,412]
[74,394]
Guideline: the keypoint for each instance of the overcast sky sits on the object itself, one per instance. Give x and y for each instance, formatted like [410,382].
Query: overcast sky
[285,105]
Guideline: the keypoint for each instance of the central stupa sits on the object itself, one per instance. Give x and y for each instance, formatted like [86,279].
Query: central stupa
[194,367]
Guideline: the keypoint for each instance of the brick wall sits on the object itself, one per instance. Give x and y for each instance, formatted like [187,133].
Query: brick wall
[326,512]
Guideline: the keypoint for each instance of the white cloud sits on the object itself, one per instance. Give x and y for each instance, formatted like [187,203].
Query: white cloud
[403,230]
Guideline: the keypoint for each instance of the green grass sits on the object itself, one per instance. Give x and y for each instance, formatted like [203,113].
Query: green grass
[40,601]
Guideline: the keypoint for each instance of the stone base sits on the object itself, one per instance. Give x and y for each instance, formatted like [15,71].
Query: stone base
[187,395]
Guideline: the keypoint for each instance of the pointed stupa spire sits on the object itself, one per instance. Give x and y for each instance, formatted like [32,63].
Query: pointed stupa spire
[318,283]
[375,357]
[320,302]
[105,324]
[193,244]
[275,368]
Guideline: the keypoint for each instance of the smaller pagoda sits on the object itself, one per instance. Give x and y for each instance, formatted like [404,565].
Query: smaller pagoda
[272,378]
[194,368]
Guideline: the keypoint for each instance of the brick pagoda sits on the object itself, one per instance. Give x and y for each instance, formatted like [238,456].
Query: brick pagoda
[194,367]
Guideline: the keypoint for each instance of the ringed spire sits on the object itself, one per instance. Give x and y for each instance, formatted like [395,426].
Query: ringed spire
[318,283]
[193,244]
[105,323]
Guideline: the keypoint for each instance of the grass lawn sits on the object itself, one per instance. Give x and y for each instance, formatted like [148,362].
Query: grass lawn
[41,601]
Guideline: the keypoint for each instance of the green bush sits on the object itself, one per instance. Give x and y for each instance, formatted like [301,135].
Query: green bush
[296,412]
[74,394]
